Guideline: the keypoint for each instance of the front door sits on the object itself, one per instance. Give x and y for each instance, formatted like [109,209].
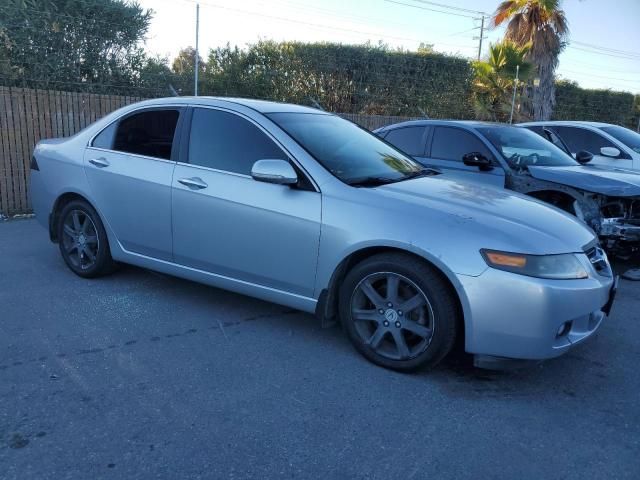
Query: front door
[226,223]
[449,145]
[578,138]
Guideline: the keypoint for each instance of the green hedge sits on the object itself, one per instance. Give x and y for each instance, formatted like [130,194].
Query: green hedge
[575,103]
[362,79]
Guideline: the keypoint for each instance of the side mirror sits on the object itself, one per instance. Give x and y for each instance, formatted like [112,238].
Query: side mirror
[612,152]
[274,171]
[583,157]
[476,159]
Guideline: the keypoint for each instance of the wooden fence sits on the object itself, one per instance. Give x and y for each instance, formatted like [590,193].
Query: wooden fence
[28,115]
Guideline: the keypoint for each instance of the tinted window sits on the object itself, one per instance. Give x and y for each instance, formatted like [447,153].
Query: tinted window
[407,139]
[630,138]
[148,133]
[346,150]
[582,139]
[105,138]
[453,143]
[521,147]
[227,142]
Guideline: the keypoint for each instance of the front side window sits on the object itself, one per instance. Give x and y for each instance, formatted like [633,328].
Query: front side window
[630,138]
[408,139]
[521,147]
[578,139]
[451,143]
[149,133]
[347,151]
[225,141]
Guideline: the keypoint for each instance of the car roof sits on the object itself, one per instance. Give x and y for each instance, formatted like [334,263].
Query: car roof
[262,106]
[579,123]
[426,122]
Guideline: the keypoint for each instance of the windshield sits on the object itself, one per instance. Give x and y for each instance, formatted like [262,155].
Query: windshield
[347,151]
[630,138]
[521,148]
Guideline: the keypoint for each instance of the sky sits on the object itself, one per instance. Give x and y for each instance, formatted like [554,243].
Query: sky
[604,48]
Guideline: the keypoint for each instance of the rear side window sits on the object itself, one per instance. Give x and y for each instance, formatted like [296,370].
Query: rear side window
[408,139]
[228,142]
[149,133]
[582,139]
[105,138]
[451,143]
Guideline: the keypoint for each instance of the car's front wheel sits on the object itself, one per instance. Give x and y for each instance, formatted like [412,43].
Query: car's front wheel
[83,241]
[399,312]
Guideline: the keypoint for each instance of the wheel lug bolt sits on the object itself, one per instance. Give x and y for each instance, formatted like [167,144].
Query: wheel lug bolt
[400,312]
[398,324]
[385,323]
[389,304]
[381,311]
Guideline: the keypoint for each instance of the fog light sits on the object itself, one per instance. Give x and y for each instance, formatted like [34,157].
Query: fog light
[563,329]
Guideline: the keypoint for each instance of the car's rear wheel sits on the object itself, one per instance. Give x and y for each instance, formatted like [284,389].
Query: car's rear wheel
[399,312]
[83,241]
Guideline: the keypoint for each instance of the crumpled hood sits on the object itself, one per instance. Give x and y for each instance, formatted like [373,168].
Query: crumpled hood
[615,182]
[498,218]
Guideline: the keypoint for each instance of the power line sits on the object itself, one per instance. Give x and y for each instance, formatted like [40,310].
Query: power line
[637,81]
[430,9]
[326,27]
[606,49]
[451,7]
[596,52]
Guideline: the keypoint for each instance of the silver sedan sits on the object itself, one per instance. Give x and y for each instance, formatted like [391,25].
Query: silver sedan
[302,208]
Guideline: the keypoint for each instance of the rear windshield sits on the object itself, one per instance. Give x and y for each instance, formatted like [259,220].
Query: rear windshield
[630,138]
[521,147]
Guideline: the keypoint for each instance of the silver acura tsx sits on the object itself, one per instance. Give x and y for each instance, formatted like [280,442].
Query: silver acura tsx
[299,207]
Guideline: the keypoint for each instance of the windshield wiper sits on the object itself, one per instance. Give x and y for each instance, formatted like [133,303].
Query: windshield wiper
[369,181]
[377,181]
[425,172]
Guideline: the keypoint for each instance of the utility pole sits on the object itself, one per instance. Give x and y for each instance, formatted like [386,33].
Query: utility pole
[513,100]
[481,37]
[197,61]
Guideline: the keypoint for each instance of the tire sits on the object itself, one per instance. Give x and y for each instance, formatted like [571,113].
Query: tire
[83,240]
[372,315]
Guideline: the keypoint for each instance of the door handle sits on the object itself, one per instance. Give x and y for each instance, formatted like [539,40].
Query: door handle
[99,162]
[195,183]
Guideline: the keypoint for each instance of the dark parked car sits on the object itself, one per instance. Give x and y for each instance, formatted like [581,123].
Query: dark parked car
[606,199]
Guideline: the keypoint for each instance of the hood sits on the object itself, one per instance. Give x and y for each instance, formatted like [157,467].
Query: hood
[496,218]
[614,182]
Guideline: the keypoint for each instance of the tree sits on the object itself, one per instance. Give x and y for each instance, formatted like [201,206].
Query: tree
[184,67]
[495,78]
[73,44]
[543,25]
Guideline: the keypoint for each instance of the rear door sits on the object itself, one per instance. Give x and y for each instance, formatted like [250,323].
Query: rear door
[129,166]
[449,144]
[227,223]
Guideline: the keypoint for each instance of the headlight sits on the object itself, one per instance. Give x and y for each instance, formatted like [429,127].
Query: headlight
[557,267]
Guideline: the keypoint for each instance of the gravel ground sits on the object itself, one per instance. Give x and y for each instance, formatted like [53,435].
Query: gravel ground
[140,375]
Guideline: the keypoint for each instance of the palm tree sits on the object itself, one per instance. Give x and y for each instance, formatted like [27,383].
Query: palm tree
[494,80]
[542,24]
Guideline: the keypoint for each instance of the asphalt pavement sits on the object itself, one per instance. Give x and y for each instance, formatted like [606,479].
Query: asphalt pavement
[140,376]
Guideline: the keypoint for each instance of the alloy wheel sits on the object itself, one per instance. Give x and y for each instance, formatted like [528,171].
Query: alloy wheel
[392,315]
[80,239]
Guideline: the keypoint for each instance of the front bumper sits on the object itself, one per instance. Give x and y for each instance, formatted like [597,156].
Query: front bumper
[527,318]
